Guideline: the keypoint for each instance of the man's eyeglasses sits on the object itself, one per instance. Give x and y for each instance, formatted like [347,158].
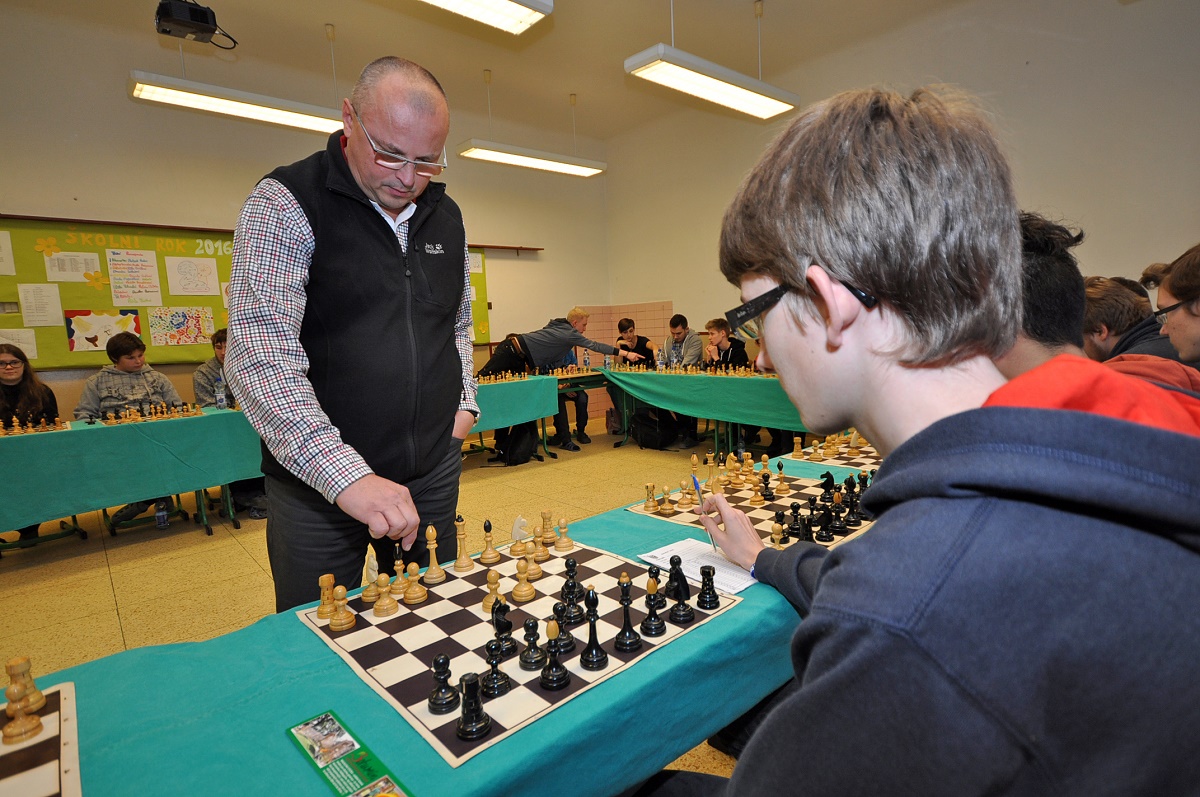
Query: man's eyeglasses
[11,364]
[1161,315]
[759,306]
[390,160]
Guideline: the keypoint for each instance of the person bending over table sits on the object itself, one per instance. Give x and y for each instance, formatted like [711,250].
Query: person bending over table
[540,349]
[971,642]
[129,383]
[24,399]
[350,338]
[248,494]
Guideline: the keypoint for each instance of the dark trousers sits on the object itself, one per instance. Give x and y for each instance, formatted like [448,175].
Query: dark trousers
[562,426]
[506,359]
[307,536]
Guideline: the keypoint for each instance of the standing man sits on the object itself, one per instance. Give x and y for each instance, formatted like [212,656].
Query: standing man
[350,338]
[683,347]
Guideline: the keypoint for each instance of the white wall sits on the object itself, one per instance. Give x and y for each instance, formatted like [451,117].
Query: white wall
[80,147]
[1096,102]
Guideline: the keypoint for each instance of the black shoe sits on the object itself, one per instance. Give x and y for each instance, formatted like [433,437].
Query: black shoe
[130,511]
[567,445]
[582,437]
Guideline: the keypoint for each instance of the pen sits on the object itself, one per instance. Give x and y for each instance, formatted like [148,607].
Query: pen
[711,541]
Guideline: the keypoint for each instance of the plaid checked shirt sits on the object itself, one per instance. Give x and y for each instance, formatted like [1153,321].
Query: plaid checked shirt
[265,363]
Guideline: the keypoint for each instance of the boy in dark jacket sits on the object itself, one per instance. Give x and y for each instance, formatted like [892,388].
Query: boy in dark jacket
[1021,617]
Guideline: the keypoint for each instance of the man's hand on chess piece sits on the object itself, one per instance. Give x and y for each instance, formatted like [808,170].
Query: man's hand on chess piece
[739,539]
[386,508]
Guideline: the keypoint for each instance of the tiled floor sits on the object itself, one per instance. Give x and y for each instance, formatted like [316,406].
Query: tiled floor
[70,601]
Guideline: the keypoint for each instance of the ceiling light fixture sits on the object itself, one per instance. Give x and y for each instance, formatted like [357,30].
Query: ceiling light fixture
[682,71]
[511,16]
[231,102]
[479,149]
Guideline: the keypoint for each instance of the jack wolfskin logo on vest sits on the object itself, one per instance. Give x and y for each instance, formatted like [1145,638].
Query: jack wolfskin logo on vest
[434,249]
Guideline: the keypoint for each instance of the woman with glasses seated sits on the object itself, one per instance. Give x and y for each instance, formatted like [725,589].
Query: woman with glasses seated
[24,400]
[1178,286]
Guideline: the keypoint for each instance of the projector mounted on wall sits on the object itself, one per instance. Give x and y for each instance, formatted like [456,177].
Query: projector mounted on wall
[185,20]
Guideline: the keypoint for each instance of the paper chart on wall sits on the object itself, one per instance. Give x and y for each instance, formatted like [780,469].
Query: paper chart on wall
[134,277]
[40,305]
[8,266]
[23,339]
[192,276]
[71,266]
[180,326]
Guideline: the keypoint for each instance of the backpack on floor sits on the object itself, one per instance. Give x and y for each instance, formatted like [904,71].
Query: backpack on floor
[652,429]
[522,444]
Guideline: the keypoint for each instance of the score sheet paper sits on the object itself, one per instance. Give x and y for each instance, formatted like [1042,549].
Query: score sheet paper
[695,554]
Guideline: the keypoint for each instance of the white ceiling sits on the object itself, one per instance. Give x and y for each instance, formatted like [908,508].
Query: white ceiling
[579,49]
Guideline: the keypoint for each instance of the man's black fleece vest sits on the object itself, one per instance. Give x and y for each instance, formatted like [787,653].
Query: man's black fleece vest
[379,325]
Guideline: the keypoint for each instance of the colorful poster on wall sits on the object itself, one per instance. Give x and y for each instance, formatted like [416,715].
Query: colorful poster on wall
[133,275]
[89,330]
[192,276]
[180,326]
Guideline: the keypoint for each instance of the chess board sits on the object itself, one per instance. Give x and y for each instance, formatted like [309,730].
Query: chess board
[762,516]
[394,654]
[868,458]
[47,764]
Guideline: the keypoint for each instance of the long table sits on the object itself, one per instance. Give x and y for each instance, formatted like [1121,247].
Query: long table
[504,404]
[192,718]
[59,474]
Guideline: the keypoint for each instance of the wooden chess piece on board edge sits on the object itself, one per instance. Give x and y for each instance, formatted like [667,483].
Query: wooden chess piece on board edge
[18,669]
[434,574]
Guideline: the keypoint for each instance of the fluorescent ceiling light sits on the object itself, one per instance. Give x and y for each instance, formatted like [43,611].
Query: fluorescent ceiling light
[242,104]
[685,72]
[529,158]
[513,16]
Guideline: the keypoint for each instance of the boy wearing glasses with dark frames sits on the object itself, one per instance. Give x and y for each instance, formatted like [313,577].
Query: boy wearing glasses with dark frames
[1021,619]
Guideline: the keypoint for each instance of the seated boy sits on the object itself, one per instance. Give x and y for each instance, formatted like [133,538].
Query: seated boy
[129,383]
[248,494]
[1021,617]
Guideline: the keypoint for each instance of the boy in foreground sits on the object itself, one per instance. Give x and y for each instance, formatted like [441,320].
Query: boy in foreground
[1021,617]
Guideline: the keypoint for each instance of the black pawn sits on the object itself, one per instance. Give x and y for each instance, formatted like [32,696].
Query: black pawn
[444,698]
[474,722]
[653,625]
[627,639]
[503,626]
[554,675]
[566,642]
[494,683]
[824,524]
[767,493]
[593,656]
[532,657]
[707,598]
[785,529]
[571,593]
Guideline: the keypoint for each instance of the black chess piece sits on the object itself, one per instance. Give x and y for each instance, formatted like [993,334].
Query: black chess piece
[593,656]
[707,597]
[827,482]
[781,519]
[503,626]
[495,682]
[532,657]
[655,600]
[554,675]
[474,722]
[571,594]
[444,698]
[627,639]
[767,493]
[566,641]
[796,527]
[822,524]
[91,421]
[677,583]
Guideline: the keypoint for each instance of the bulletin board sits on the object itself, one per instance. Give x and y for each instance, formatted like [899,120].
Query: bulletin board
[67,286]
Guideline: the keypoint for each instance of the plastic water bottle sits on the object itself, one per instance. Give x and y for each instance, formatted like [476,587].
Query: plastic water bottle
[587,360]
[608,361]
[220,391]
[661,363]
[160,515]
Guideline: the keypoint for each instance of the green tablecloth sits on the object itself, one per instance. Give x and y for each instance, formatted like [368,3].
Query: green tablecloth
[50,475]
[756,401]
[211,717]
[503,404]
